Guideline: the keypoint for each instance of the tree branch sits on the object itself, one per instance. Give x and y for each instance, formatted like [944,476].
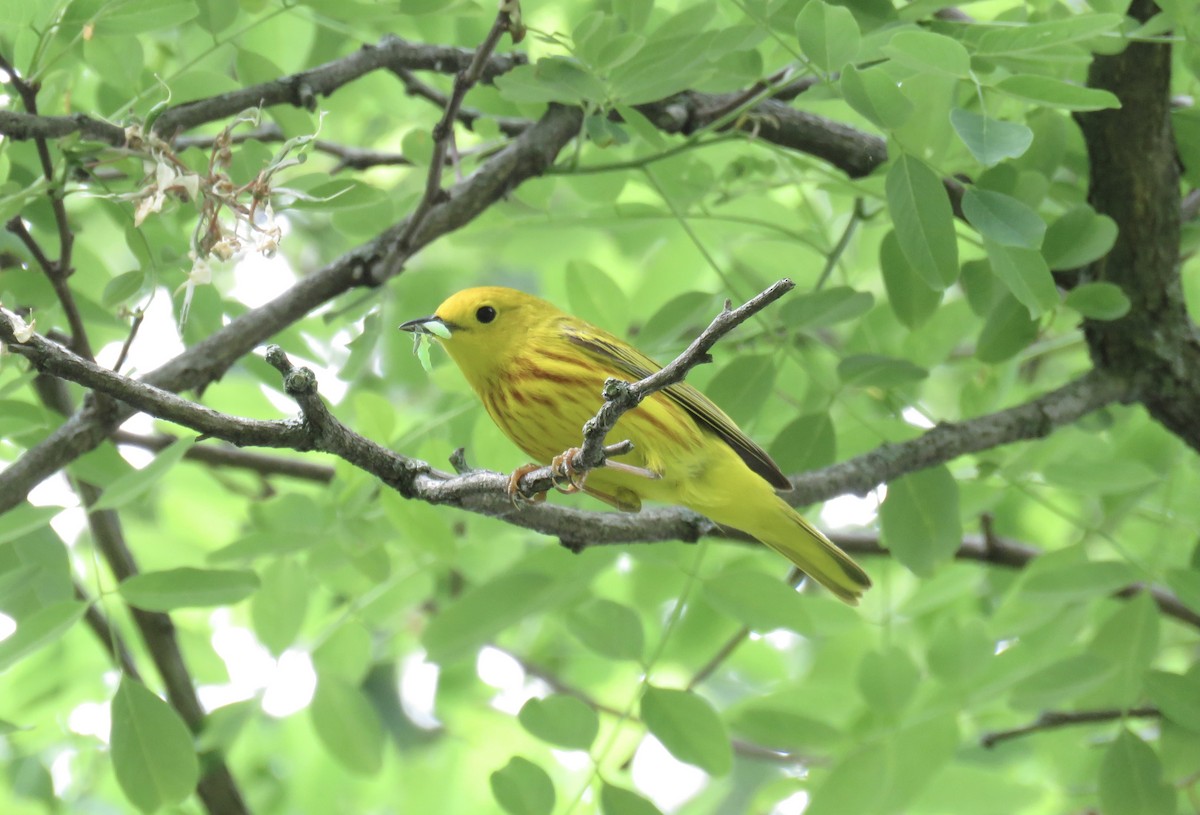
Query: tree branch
[233,457]
[528,156]
[1134,178]
[302,89]
[507,20]
[1053,719]
[486,493]
[1034,419]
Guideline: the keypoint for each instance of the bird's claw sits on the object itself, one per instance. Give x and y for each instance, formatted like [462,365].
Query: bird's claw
[515,494]
[563,467]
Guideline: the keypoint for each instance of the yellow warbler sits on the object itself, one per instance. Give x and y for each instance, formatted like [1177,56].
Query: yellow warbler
[539,373]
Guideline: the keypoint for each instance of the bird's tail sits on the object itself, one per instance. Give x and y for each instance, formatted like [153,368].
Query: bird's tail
[785,531]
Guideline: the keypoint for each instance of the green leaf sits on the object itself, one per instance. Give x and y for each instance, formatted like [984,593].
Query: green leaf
[1129,639]
[927,51]
[619,801]
[42,627]
[805,443]
[152,752]
[1026,275]
[595,296]
[130,486]
[1102,476]
[1077,238]
[1131,781]
[187,587]
[1186,585]
[924,221]
[990,140]
[1045,90]
[561,720]
[761,602]
[742,387]
[688,726]
[610,629]
[278,607]
[768,724]
[23,519]
[523,788]
[1038,36]
[1003,219]
[1099,301]
[1176,696]
[828,35]
[884,775]
[874,94]
[920,519]
[551,79]
[216,15]
[825,307]
[959,652]
[141,16]
[347,725]
[484,611]
[874,370]
[1061,682]
[911,298]
[346,653]
[1079,581]
[1007,331]
[887,680]
[122,287]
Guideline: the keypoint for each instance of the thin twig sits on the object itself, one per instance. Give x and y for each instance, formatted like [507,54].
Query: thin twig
[125,346]
[57,271]
[507,19]
[1053,719]
[508,125]
[263,464]
[621,397]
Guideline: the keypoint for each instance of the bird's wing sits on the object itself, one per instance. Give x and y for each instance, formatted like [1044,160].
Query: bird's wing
[632,363]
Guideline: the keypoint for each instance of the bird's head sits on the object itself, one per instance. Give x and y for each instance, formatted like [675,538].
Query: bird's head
[483,328]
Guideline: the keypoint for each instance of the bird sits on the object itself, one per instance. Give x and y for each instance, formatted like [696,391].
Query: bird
[539,373]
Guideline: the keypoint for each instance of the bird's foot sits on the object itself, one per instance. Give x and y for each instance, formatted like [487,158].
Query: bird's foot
[515,493]
[563,467]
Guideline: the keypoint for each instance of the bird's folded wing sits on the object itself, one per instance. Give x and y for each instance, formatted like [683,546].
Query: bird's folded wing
[627,362]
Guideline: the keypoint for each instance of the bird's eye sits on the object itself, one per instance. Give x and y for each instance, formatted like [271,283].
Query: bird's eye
[485,314]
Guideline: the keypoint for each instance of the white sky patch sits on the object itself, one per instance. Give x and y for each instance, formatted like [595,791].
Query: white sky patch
[91,719]
[916,418]
[573,760]
[418,690]
[291,686]
[848,511]
[783,640]
[503,672]
[60,771]
[258,279]
[664,779]
[794,804]
[56,491]
[156,343]
[8,626]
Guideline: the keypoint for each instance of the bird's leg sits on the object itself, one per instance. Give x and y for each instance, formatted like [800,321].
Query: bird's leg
[514,486]
[563,466]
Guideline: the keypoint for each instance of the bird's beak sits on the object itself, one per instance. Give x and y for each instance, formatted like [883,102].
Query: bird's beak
[421,325]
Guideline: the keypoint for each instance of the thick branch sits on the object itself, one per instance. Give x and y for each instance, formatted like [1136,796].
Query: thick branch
[22,126]
[947,441]
[1135,180]
[486,492]
[528,156]
[302,89]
